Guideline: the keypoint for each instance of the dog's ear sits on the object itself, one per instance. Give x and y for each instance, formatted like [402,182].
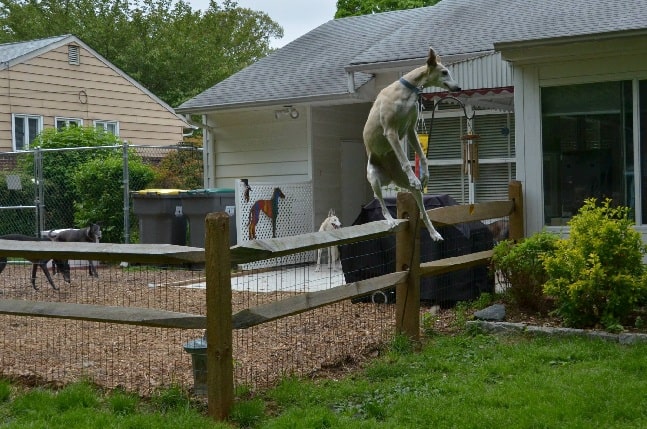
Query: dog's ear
[432,60]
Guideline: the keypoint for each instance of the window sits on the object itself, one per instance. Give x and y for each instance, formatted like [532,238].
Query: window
[496,157]
[108,126]
[68,122]
[25,130]
[587,142]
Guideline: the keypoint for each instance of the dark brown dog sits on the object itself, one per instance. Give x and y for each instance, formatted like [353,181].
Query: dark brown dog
[89,234]
[62,265]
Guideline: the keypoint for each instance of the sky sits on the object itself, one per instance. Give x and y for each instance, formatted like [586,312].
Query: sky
[297,17]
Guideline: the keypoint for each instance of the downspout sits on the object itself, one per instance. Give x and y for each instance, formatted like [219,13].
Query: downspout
[209,170]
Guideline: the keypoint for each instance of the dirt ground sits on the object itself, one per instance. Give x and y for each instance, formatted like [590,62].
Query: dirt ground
[140,359]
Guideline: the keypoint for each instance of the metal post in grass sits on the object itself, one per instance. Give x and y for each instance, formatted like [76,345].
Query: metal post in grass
[516,217]
[407,257]
[220,368]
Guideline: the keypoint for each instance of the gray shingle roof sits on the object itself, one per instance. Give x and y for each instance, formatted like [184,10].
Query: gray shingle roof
[313,66]
[12,51]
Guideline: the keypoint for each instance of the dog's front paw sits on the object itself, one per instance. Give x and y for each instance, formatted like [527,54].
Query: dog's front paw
[414,182]
[435,235]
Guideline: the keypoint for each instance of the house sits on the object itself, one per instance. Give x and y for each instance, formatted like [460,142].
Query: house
[554,94]
[59,81]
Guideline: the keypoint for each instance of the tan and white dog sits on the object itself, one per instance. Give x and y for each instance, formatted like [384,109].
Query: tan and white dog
[329,224]
[392,121]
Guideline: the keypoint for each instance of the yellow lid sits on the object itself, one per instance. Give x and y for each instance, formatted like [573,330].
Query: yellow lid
[160,191]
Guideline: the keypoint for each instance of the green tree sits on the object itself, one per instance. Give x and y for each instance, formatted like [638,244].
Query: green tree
[172,50]
[366,7]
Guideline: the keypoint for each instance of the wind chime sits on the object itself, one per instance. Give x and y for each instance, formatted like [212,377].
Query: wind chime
[469,140]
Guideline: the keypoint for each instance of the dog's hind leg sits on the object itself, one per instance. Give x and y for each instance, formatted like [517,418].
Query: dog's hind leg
[34,267]
[43,266]
[92,269]
[318,267]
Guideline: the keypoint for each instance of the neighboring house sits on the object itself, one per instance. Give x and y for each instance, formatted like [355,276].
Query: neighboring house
[60,81]
[559,89]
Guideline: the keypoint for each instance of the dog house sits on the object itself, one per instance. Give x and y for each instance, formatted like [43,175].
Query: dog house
[376,257]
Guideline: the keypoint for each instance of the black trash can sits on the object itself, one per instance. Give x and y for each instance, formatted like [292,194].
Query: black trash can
[198,350]
[197,203]
[161,218]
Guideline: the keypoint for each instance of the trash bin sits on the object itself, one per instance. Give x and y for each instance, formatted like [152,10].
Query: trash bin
[198,350]
[197,203]
[161,220]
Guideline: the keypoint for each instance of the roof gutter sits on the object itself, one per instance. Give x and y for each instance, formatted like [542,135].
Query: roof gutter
[538,50]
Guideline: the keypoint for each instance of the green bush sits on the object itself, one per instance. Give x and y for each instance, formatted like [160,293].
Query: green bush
[59,167]
[98,185]
[521,268]
[596,275]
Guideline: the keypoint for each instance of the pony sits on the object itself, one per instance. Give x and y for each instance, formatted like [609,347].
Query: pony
[269,207]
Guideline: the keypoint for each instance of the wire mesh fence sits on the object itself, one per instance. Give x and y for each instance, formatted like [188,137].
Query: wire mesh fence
[46,189]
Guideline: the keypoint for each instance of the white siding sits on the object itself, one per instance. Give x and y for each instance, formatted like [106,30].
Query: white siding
[258,146]
[488,71]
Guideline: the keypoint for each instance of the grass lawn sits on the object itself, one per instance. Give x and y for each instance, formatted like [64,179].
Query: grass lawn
[456,381]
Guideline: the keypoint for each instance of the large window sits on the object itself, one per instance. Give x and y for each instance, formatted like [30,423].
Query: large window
[25,129]
[587,139]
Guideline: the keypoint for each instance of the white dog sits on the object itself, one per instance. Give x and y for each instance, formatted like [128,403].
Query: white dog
[392,121]
[330,223]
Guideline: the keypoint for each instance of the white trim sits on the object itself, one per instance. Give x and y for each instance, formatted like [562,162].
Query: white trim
[637,167]
[68,121]
[39,118]
[105,123]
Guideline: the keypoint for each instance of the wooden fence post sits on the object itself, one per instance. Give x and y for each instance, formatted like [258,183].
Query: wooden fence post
[516,231]
[407,257]
[220,368]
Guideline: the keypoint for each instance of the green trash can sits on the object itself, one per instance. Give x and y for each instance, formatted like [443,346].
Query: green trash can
[161,218]
[198,350]
[197,203]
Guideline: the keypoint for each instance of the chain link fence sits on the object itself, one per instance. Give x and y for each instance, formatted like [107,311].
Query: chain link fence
[48,189]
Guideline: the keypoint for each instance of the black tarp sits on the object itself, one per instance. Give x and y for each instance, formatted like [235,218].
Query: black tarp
[372,258]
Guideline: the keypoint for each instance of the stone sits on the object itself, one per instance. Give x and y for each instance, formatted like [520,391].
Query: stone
[494,312]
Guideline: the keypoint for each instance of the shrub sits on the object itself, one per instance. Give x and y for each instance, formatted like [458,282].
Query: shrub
[99,186]
[522,270]
[59,166]
[597,275]
[181,169]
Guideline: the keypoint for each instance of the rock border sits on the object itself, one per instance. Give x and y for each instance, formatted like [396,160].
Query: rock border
[522,328]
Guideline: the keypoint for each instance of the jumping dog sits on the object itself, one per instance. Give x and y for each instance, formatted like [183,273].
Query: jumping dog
[329,224]
[392,121]
[62,265]
[269,207]
[89,234]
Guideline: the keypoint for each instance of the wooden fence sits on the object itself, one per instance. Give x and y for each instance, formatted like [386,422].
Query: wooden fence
[218,258]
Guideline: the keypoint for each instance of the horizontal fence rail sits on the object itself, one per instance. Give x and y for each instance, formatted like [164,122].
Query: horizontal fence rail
[219,259]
